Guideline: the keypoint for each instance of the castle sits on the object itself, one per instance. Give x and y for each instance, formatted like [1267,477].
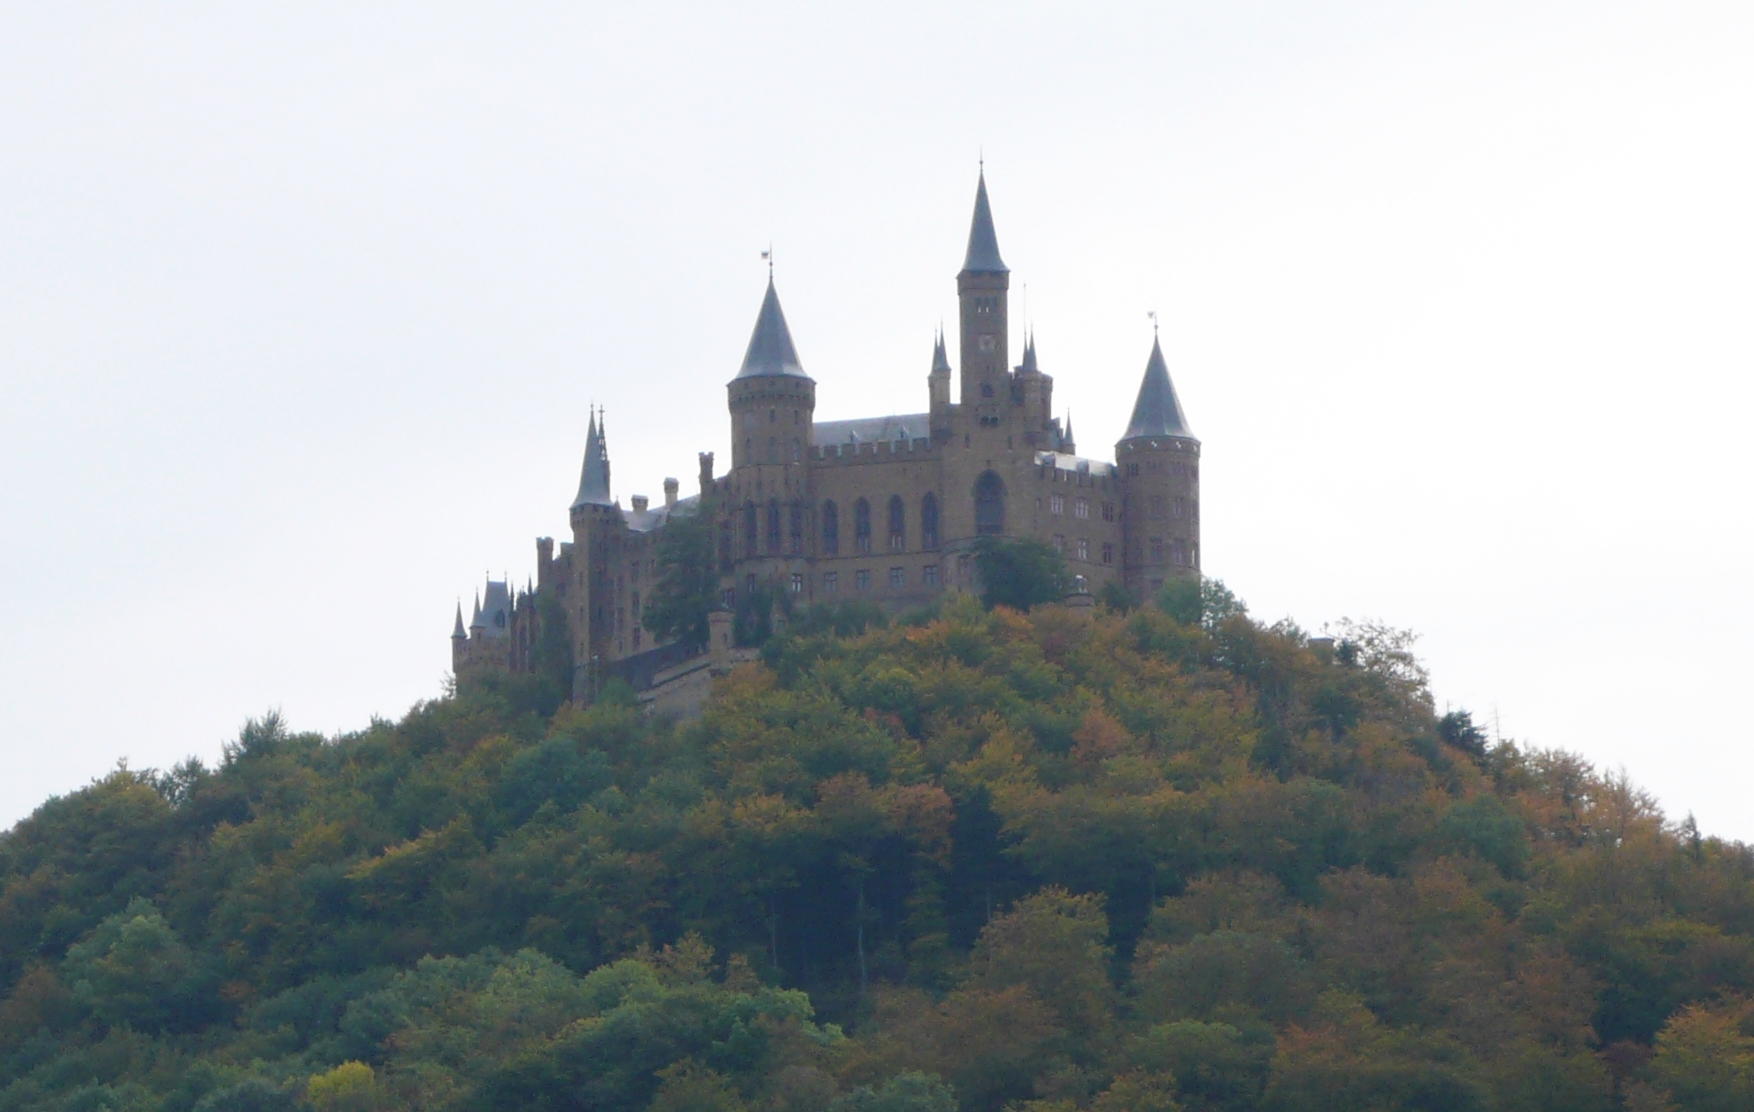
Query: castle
[883,508]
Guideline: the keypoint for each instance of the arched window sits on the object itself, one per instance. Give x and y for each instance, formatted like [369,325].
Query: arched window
[795,529]
[830,529]
[751,531]
[989,505]
[862,527]
[929,521]
[773,526]
[897,524]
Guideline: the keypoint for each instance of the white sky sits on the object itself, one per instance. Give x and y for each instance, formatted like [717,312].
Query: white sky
[301,308]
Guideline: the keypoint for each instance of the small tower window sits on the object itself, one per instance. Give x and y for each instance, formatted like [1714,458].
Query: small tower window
[830,583]
[1083,548]
[751,532]
[897,578]
[929,575]
[1108,553]
[897,524]
[929,521]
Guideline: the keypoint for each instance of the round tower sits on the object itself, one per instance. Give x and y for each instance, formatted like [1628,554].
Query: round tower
[1158,460]
[773,406]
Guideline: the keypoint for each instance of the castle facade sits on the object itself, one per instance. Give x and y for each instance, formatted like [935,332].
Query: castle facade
[884,509]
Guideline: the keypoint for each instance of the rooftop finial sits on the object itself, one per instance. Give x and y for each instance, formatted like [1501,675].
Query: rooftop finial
[768,255]
[1153,315]
[983,242]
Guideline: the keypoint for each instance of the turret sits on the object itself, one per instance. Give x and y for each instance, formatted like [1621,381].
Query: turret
[773,406]
[1159,462]
[1034,393]
[982,289]
[938,388]
[596,519]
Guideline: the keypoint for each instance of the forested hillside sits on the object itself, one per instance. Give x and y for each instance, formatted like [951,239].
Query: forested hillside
[975,860]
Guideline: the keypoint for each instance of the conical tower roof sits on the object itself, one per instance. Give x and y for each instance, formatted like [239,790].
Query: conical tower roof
[457,631]
[594,476]
[770,347]
[940,357]
[1029,354]
[1158,412]
[983,242]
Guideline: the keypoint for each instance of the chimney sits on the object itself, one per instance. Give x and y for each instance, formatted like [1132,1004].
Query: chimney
[671,486]
[640,502]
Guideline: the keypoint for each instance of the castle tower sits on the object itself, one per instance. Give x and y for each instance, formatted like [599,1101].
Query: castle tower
[938,389]
[1159,463]
[982,289]
[773,405]
[595,518]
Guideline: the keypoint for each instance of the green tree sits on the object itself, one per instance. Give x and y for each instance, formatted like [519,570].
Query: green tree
[1020,573]
[133,969]
[687,587]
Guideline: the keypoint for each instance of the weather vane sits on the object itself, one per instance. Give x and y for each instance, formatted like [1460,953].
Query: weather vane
[1153,315]
[768,255]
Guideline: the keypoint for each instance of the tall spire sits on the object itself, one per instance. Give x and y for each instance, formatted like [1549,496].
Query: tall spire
[1029,354]
[983,242]
[594,476]
[940,357]
[770,347]
[475,622]
[1158,412]
[457,632]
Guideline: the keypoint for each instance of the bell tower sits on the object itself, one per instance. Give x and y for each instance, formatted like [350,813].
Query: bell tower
[982,289]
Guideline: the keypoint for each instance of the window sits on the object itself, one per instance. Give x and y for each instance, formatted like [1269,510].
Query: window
[751,531]
[929,521]
[830,529]
[1060,543]
[861,581]
[1056,503]
[1156,550]
[1108,553]
[963,563]
[797,584]
[929,575]
[1180,551]
[1083,548]
[795,534]
[1132,469]
[751,583]
[773,526]
[897,524]
[989,505]
[1108,511]
[986,387]
[862,526]
[636,607]
[897,578]
[1181,507]
[830,583]
[1156,511]
[1081,509]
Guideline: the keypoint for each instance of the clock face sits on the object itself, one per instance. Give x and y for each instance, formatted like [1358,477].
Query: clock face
[987,343]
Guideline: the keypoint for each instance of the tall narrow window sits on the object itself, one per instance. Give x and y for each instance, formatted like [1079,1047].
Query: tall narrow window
[751,531]
[862,527]
[724,545]
[830,529]
[897,524]
[773,526]
[929,521]
[989,505]
[795,533]
[1156,551]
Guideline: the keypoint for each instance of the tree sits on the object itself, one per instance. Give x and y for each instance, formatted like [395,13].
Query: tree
[687,587]
[1020,573]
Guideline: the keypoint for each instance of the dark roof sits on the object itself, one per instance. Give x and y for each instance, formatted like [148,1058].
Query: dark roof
[1029,354]
[656,517]
[496,609]
[457,630]
[770,346]
[1158,412]
[594,476]
[869,430]
[983,242]
[940,357]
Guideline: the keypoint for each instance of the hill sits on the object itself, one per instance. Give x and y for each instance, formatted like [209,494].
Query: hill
[977,859]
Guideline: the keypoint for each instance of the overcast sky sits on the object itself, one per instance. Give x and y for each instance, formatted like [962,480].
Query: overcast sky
[302,307]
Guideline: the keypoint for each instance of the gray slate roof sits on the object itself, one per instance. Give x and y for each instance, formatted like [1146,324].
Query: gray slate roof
[656,517]
[867,430]
[495,617]
[457,631]
[770,346]
[940,357]
[983,242]
[594,476]
[1158,412]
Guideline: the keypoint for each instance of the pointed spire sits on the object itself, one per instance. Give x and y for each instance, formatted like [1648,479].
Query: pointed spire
[594,476]
[457,631]
[1158,412]
[475,622]
[770,346]
[940,357]
[1067,436]
[983,242]
[1029,354]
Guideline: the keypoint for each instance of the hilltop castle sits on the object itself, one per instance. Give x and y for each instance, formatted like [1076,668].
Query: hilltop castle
[882,508]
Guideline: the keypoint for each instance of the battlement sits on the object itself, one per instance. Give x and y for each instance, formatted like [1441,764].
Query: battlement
[873,451]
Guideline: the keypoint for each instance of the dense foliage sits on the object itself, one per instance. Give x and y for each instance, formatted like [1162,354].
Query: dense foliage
[974,861]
